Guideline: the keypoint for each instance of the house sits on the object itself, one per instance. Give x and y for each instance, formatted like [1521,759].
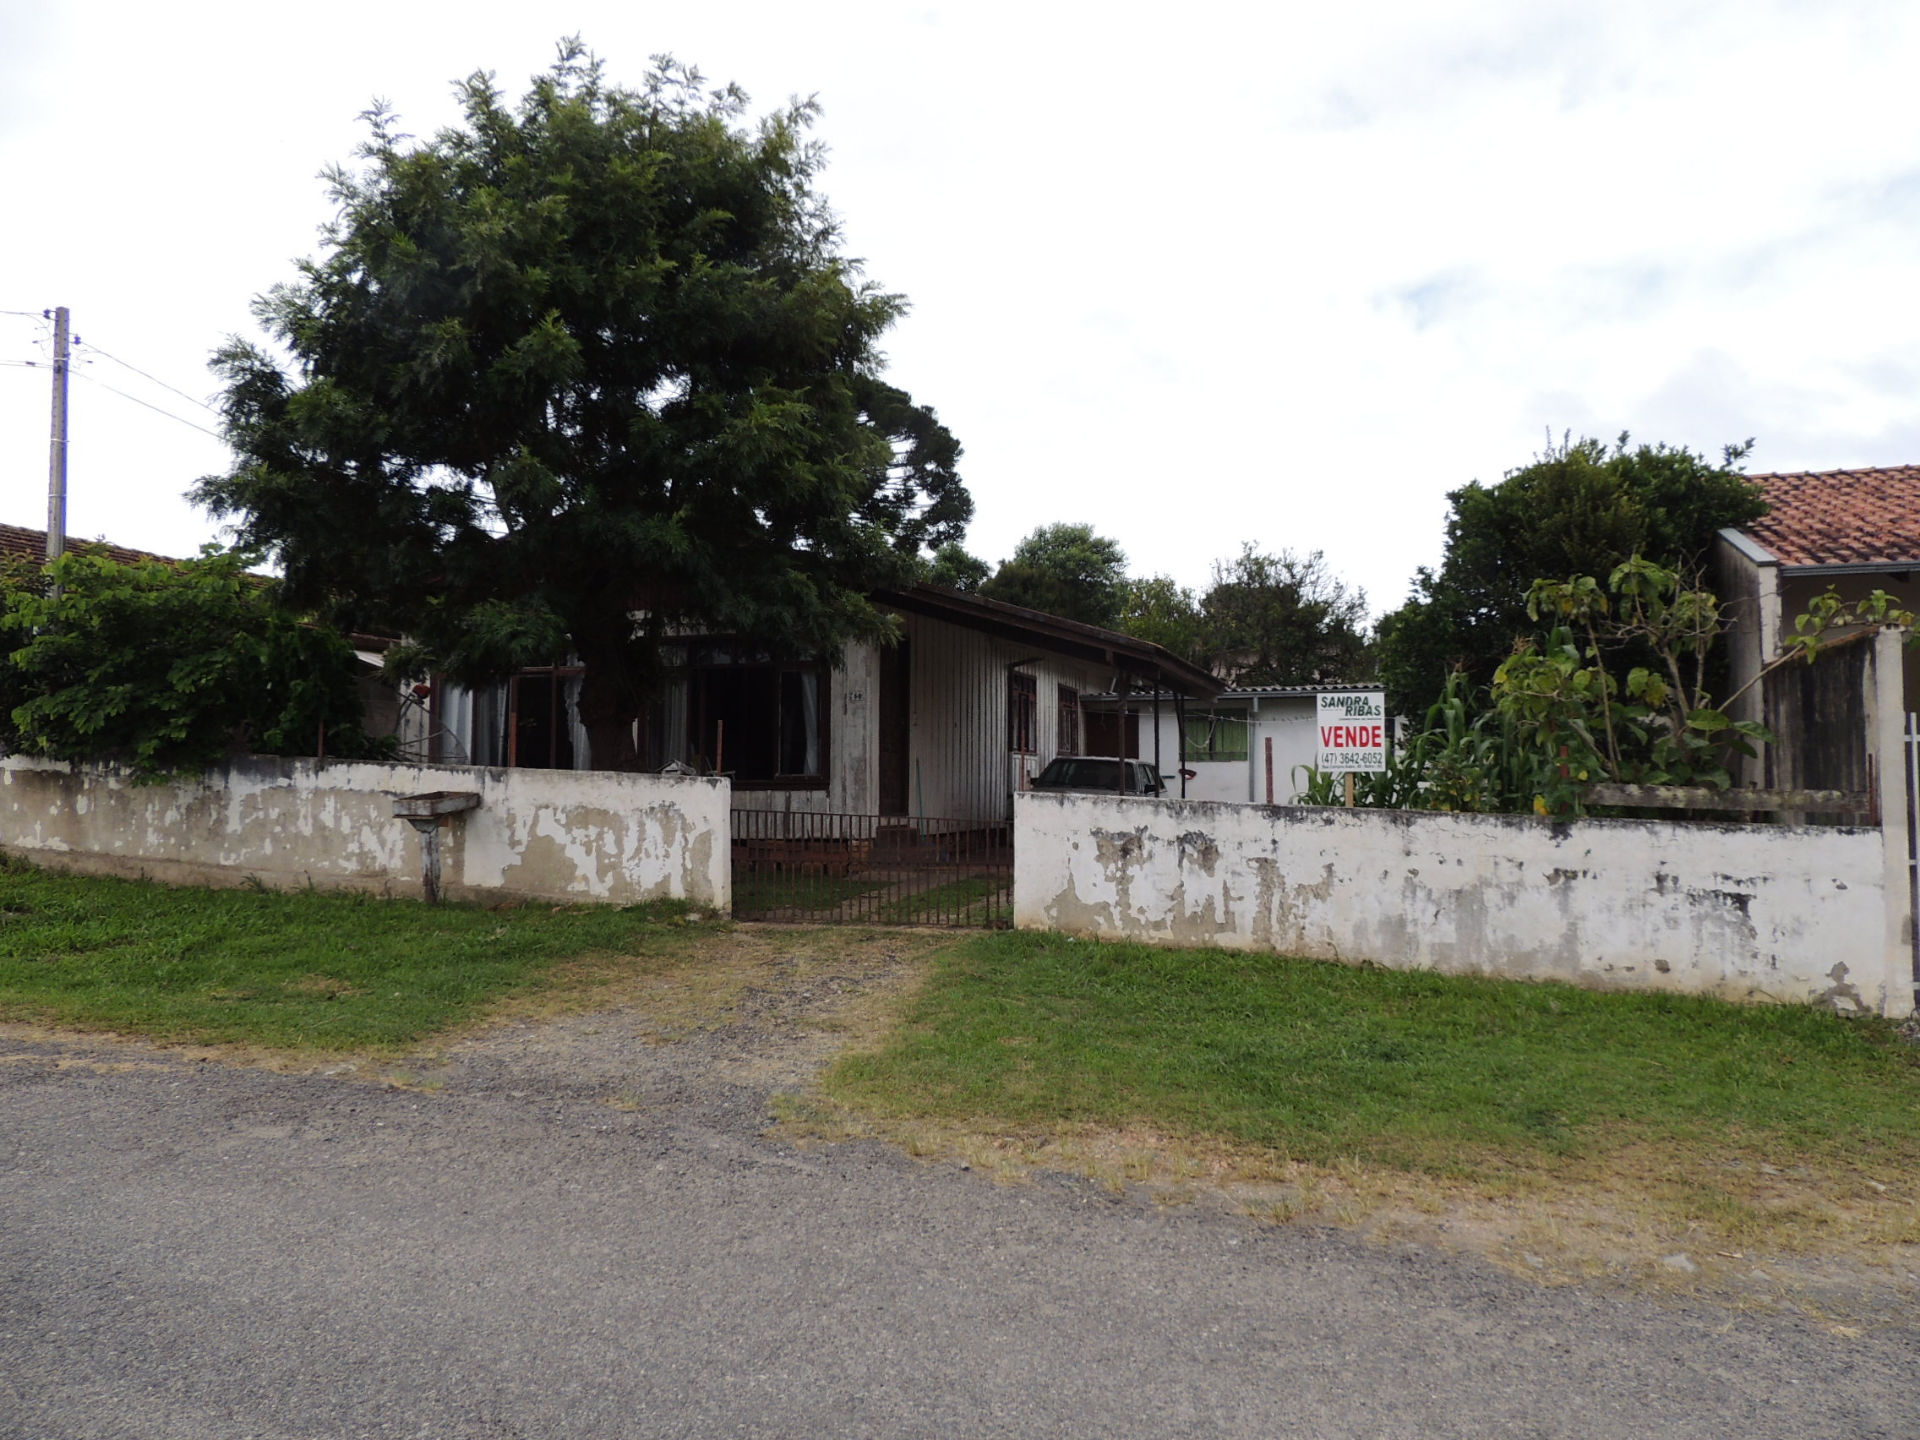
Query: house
[1852,531]
[1242,746]
[971,703]
[17,542]
[1855,531]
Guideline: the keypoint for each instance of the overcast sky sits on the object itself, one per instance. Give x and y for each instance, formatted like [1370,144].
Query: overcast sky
[1202,275]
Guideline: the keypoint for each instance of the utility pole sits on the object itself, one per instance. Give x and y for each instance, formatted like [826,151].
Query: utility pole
[57,456]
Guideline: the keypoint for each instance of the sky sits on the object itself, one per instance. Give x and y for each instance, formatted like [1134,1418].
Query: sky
[1205,276]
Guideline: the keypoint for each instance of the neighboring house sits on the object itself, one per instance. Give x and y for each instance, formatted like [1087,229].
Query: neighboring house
[1852,530]
[19,543]
[1230,741]
[969,706]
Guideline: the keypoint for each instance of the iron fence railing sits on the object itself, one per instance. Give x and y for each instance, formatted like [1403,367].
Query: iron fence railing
[831,868]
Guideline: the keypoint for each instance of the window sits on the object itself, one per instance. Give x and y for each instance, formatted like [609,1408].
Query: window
[1067,737]
[1216,737]
[1023,712]
[538,715]
[760,720]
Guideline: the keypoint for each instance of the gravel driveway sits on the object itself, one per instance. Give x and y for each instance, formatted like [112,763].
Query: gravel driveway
[577,1226]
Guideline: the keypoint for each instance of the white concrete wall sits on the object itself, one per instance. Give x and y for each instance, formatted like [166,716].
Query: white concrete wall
[1289,722]
[547,834]
[1747,912]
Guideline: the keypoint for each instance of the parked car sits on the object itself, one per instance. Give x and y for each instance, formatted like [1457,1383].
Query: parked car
[1099,775]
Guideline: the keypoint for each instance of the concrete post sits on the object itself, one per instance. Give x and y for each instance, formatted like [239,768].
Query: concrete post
[426,813]
[1886,721]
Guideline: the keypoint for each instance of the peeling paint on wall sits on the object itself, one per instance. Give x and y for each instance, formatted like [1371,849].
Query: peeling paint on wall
[1747,912]
[538,834]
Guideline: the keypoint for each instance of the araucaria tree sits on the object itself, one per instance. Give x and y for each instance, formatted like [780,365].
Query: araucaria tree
[577,373]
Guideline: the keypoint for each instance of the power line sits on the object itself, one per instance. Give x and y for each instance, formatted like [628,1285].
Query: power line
[91,380]
[89,345]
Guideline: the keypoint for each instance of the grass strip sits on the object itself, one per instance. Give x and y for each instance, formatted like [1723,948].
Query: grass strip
[306,969]
[1325,1062]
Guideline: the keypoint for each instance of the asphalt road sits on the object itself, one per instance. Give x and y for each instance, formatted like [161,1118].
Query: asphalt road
[206,1251]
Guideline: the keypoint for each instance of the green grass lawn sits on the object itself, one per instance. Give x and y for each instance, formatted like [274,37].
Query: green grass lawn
[328,971]
[1324,1062]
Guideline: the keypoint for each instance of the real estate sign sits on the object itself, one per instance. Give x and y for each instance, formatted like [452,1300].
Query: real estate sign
[1353,730]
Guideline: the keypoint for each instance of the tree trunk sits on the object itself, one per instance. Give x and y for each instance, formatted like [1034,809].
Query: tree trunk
[607,716]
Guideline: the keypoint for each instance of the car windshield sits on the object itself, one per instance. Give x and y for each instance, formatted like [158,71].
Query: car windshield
[1071,772]
[1081,774]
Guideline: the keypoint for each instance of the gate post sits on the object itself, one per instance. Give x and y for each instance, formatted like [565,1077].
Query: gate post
[1887,745]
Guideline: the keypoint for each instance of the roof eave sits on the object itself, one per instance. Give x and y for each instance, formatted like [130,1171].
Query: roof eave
[1056,633]
[1853,567]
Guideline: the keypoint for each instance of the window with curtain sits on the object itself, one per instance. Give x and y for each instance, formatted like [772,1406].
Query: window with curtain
[762,721]
[1216,737]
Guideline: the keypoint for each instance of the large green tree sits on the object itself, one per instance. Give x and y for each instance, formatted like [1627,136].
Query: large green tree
[1064,570]
[1581,508]
[1284,619]
[575,373]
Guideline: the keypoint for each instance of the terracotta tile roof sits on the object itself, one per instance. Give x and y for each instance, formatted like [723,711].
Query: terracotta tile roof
[1841,517]
[19,543]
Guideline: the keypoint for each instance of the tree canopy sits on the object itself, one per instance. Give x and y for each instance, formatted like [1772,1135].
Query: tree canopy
[1160,609]
[957,568]
[1281,619]
[576,372]
[1581,508]
[1284,619]
[1065,570]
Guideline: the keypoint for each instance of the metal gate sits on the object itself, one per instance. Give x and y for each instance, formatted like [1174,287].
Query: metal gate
[825,868]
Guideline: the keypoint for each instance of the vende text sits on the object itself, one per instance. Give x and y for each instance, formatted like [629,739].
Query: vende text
[1353,737]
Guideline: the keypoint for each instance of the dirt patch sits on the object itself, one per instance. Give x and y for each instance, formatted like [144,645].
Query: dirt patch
[759,1011]
[327,986]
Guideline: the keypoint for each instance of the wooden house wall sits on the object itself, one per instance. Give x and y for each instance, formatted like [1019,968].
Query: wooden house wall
[961,765]
[959,762]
